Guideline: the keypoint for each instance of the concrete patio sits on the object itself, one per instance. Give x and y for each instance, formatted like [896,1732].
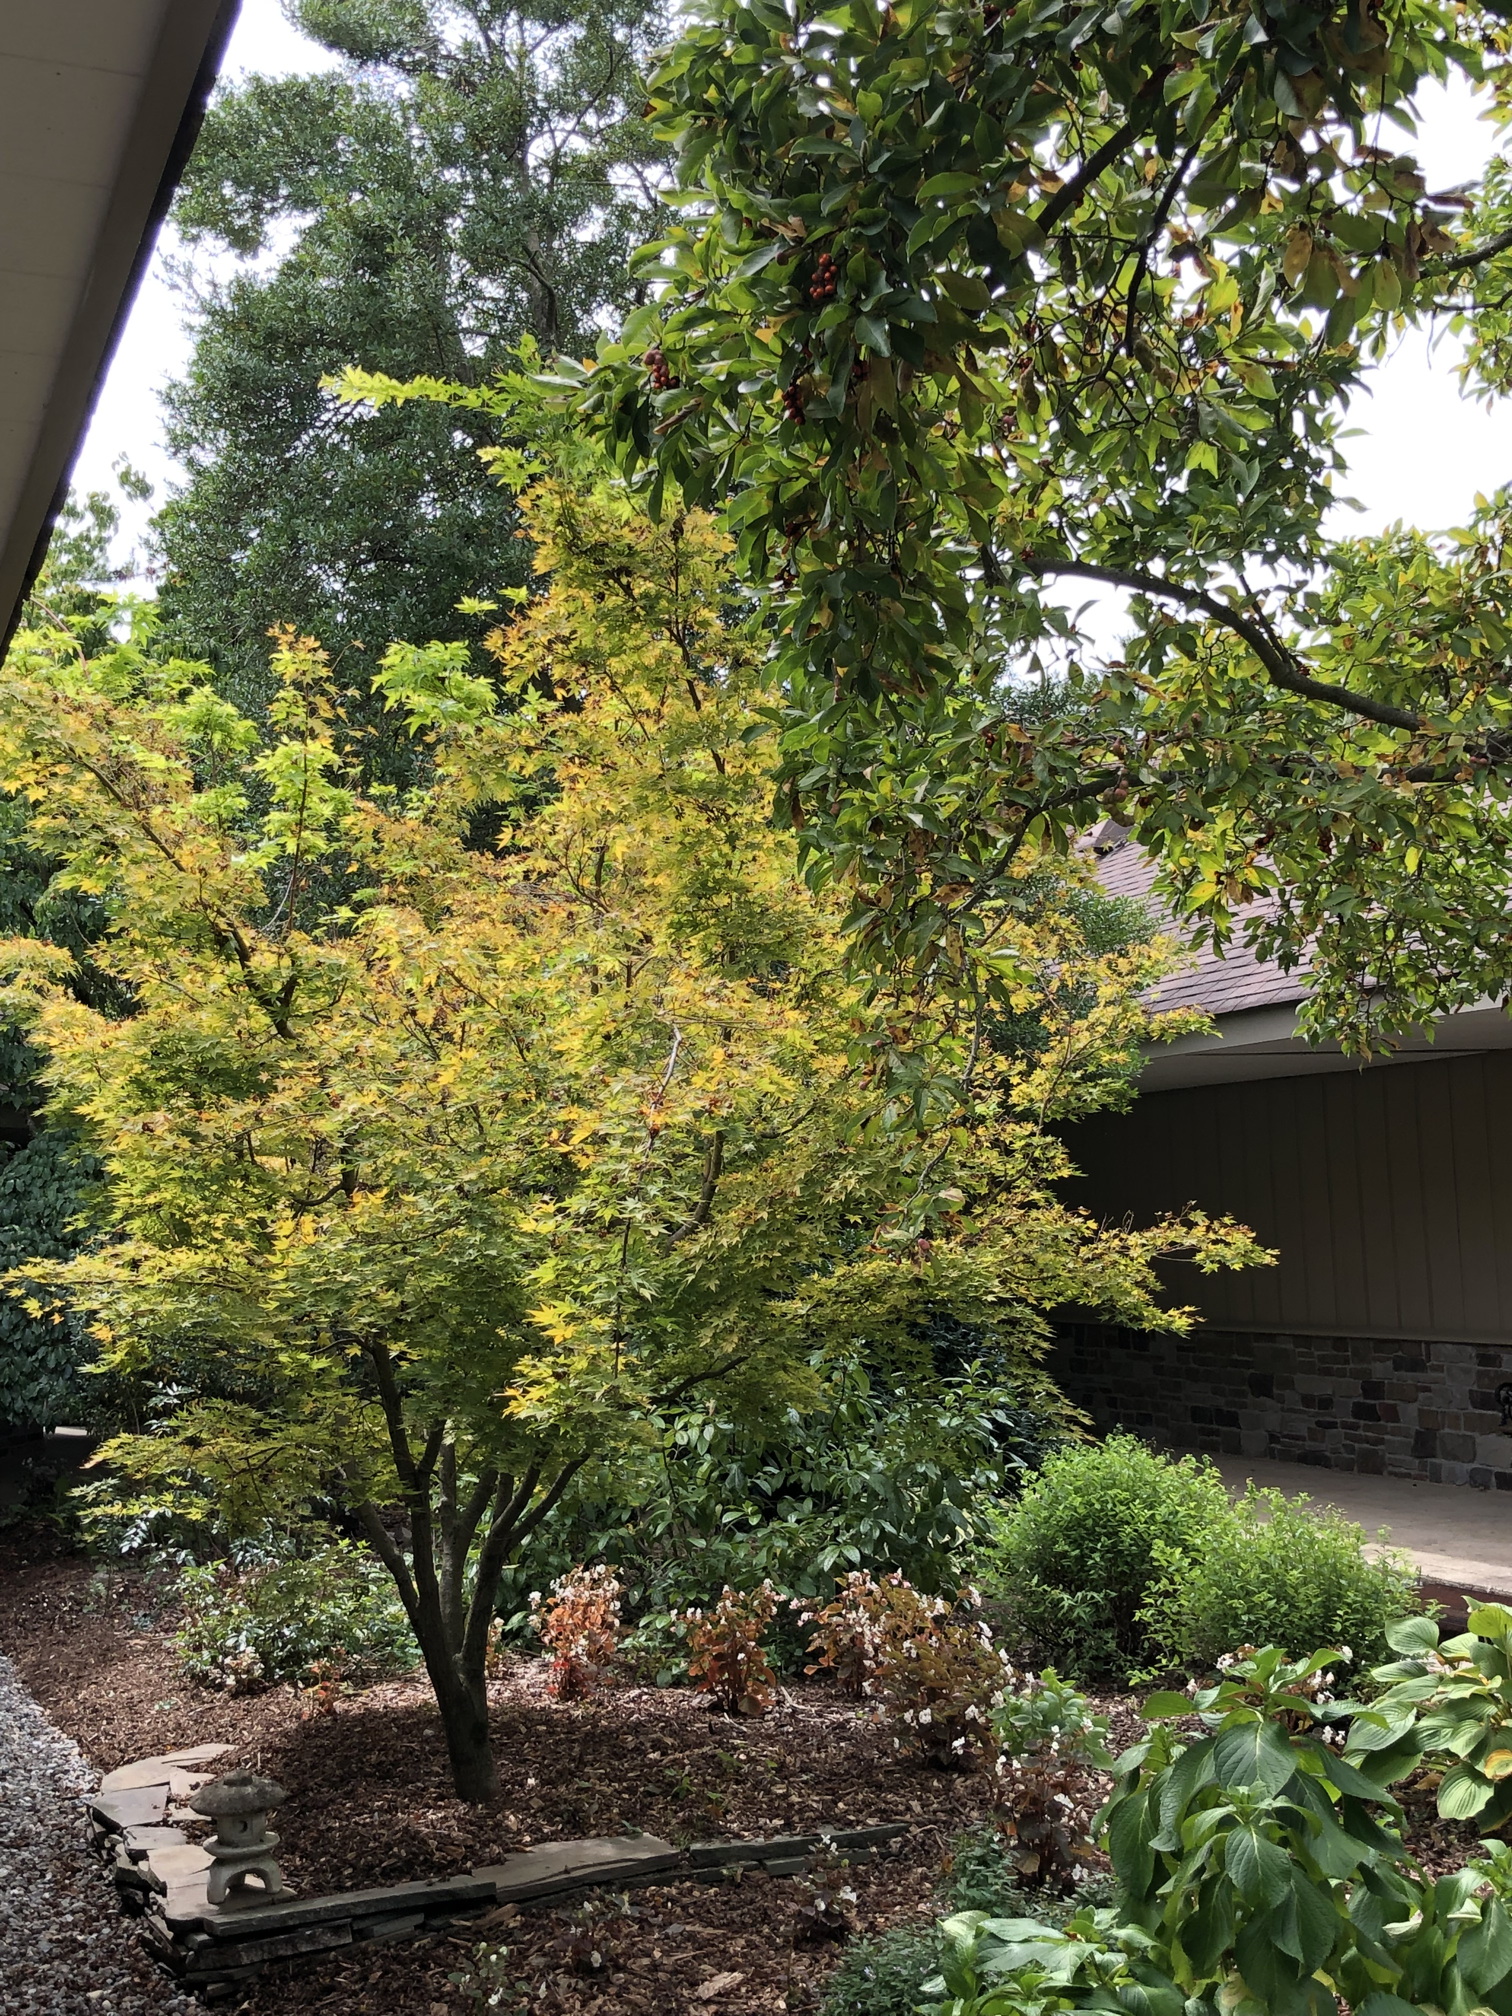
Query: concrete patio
[1460,1539]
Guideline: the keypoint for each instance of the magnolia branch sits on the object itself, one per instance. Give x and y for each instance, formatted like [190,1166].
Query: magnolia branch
[1278,662]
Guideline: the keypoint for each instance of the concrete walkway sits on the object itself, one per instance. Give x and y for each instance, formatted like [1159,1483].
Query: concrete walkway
[1460,1539]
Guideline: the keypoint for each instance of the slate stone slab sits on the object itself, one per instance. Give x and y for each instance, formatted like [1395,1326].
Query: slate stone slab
[177,1860]
[571,1865]
[140,1841]
[240,1921]
[163,1770]
[216,1957]
[138,1806]
[784,1847]
[374,1931]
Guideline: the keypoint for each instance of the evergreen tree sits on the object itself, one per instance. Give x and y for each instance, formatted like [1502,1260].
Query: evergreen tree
[473,174]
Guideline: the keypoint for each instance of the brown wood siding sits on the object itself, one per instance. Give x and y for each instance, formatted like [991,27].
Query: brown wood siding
[1387,1192]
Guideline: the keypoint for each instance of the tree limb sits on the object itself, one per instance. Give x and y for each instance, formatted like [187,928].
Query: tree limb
[1070,194]
[699,1216]
[383,1545]
[1278,662]
[1461,262]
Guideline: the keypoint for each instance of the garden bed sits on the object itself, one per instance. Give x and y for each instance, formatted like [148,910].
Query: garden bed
[370,1803]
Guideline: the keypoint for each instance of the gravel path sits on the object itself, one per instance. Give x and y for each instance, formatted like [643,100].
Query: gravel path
[65,1950]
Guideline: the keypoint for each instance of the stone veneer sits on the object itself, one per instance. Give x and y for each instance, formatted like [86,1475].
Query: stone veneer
[1429,1411]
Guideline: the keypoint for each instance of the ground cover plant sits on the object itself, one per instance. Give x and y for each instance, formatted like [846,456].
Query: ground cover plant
[437,1172]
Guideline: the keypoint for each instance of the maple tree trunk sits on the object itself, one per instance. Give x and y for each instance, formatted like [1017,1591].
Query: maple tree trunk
[463,1704]
[447,1516]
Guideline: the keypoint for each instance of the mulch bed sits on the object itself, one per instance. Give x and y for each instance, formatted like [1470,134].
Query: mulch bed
[370,1802]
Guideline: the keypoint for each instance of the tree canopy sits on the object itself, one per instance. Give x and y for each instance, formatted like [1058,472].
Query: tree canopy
[471,173]
[965,303]
[437,1163]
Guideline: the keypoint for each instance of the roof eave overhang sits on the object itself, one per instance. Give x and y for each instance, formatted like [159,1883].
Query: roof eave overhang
[1258,1043]
[166,120]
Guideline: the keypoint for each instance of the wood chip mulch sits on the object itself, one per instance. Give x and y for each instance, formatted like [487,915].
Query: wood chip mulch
[370,1802]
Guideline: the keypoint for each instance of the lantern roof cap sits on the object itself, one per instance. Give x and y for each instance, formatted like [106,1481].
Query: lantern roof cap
[238,1792]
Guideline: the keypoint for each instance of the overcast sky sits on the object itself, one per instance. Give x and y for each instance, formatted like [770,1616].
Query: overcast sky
[1421,455]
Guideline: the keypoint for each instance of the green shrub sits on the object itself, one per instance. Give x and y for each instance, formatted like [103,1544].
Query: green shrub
[884,1976]
[1076,1559]
[277,1621]
[1277,1571]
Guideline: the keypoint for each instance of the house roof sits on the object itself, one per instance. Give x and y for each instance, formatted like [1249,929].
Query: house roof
[1223,983]
[100,102]
[1254,1004]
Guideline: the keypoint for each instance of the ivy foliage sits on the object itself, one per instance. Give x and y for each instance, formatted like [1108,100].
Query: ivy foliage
[968,303]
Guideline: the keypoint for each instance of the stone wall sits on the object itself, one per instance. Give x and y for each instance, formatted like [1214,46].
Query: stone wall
[1429,1411]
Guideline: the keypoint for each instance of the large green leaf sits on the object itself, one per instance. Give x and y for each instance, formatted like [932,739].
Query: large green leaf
[1463,1793]
[1413,1634]
[1261,1870]
[1485,1951]
[1254,1754]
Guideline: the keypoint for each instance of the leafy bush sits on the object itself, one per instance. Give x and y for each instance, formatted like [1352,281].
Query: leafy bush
[1276,1571]
[935,1670]
[879,1476]
[579,1624]
[1076,1559]
[726,1659]
[1448,1699]
[1260,1873]
[845,1640]
[333,1611]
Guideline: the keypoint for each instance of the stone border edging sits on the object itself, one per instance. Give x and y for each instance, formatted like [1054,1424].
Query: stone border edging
[160,1877]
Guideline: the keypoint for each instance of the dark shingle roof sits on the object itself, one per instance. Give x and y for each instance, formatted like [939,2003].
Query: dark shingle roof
[1222,983]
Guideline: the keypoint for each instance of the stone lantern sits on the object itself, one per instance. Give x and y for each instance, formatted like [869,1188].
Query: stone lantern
[241,1845]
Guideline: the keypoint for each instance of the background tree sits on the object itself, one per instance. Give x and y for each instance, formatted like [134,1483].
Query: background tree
[968,304]
[431,1196]
[46,1171]
[473,173]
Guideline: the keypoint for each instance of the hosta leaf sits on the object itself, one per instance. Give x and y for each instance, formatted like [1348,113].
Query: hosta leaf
[1463,1793]
[1485,1951]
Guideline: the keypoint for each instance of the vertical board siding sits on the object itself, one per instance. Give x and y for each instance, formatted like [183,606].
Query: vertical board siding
[1387,1191]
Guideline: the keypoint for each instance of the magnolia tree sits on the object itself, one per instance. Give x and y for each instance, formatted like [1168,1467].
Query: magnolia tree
[972,305]
[450,1135]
